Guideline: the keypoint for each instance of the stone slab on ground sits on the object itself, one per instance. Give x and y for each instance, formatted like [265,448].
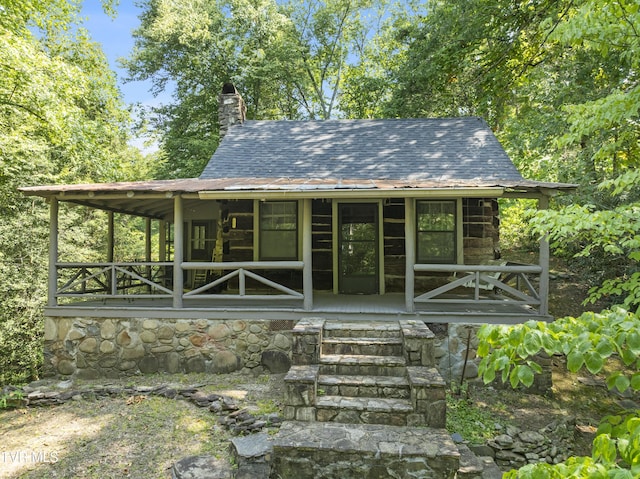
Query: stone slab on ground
[201,467]
[303,450]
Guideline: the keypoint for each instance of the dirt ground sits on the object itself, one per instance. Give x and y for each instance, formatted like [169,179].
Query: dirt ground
[141,437]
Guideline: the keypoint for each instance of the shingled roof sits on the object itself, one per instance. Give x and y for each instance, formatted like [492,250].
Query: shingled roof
[411,150]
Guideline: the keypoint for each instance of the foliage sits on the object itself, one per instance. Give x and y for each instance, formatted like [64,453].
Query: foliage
[588,342]
[609,237]
[73,130]
[288,60]
[471,422]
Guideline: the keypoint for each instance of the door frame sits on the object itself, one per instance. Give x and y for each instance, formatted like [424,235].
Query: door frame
[335,241]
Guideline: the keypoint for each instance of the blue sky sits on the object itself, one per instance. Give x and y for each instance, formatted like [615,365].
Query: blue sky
[115,37]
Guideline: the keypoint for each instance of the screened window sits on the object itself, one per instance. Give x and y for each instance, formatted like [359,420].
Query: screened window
[436,231]
[279,230]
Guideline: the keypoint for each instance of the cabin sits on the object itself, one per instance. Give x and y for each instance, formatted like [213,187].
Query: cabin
[339,219]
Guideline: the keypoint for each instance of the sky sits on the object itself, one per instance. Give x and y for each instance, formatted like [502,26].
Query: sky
[115,37]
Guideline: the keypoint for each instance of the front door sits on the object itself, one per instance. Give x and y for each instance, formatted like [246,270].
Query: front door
[358,248]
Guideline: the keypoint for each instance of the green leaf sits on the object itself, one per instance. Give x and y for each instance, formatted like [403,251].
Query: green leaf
[594,362]
[622,383]
[575,360]
[635,382]
[633,342]
[525,375]
[532,342]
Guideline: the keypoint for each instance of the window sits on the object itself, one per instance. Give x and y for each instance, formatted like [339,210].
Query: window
[436,229]
[279,230]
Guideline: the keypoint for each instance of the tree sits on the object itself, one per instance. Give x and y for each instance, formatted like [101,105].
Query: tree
[286,58]
[73,130]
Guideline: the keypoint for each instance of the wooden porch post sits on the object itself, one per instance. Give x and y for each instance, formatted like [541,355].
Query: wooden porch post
[53,253]
[162,239]
[543,204]
[147,240]
[178,234]
[307,257]
[110,237]
[410,253]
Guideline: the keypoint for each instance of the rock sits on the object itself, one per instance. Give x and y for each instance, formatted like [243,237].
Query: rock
[457,438]
[504,441]
[201,467]
[148,365]
[276,362]
[108,329]
[252,455]
[196,365]
[225,362]
[531,437]
[89,345]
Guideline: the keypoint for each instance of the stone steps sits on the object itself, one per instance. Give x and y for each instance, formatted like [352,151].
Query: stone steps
[364,410]
[329,450]
[361,329]
[362,346]
[362,365]
[364,399]
[364,386]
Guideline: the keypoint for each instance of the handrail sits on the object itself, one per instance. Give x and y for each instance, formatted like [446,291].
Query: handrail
[475,275]
[298,265]
[111,271]
[240,269]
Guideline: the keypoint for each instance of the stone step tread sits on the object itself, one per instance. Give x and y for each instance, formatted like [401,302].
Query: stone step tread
[362,360]
[372,439]
[361,340]
[364,404]
[362,325]
[352,380]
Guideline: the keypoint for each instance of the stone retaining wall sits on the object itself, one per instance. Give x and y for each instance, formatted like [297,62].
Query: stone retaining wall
[91,348]
[456,356]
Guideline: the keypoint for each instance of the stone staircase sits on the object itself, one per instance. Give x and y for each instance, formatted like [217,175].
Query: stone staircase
[364,373]
[364,399]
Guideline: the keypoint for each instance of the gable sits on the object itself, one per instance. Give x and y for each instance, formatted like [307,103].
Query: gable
[429,149]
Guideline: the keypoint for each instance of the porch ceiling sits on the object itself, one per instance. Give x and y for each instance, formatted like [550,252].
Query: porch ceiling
[154,199]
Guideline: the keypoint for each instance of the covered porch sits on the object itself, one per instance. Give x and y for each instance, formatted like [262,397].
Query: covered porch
[177,285]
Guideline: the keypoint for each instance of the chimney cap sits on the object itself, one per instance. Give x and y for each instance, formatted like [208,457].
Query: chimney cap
[229,88]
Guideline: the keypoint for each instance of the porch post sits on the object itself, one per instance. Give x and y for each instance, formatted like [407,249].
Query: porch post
[410,253]
[307,256]
[162,240]
[147,240]
[543,204]
[53,253]
[110,237]
[178,234]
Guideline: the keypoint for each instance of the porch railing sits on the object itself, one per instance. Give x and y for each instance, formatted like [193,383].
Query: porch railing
[224,272]
[508,283]
[114,280]
[155,280]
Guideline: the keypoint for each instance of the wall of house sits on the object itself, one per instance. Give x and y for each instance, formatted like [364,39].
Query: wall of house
[481,229]
[91,348]
[480,223]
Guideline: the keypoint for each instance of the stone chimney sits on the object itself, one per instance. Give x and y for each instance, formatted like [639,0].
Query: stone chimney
[231,108]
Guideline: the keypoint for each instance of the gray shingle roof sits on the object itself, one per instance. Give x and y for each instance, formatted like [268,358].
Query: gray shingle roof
[412,150]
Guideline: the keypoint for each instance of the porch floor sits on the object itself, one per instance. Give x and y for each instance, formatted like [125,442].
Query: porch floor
[390,306]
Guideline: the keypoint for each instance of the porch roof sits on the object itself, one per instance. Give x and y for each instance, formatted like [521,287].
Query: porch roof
[155,198]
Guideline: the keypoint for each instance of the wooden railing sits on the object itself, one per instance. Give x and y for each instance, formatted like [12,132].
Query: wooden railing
[155,280]
[224,272]
[114,280]
[487,284]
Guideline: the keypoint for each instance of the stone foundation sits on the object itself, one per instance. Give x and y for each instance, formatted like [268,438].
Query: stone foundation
[91,348]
